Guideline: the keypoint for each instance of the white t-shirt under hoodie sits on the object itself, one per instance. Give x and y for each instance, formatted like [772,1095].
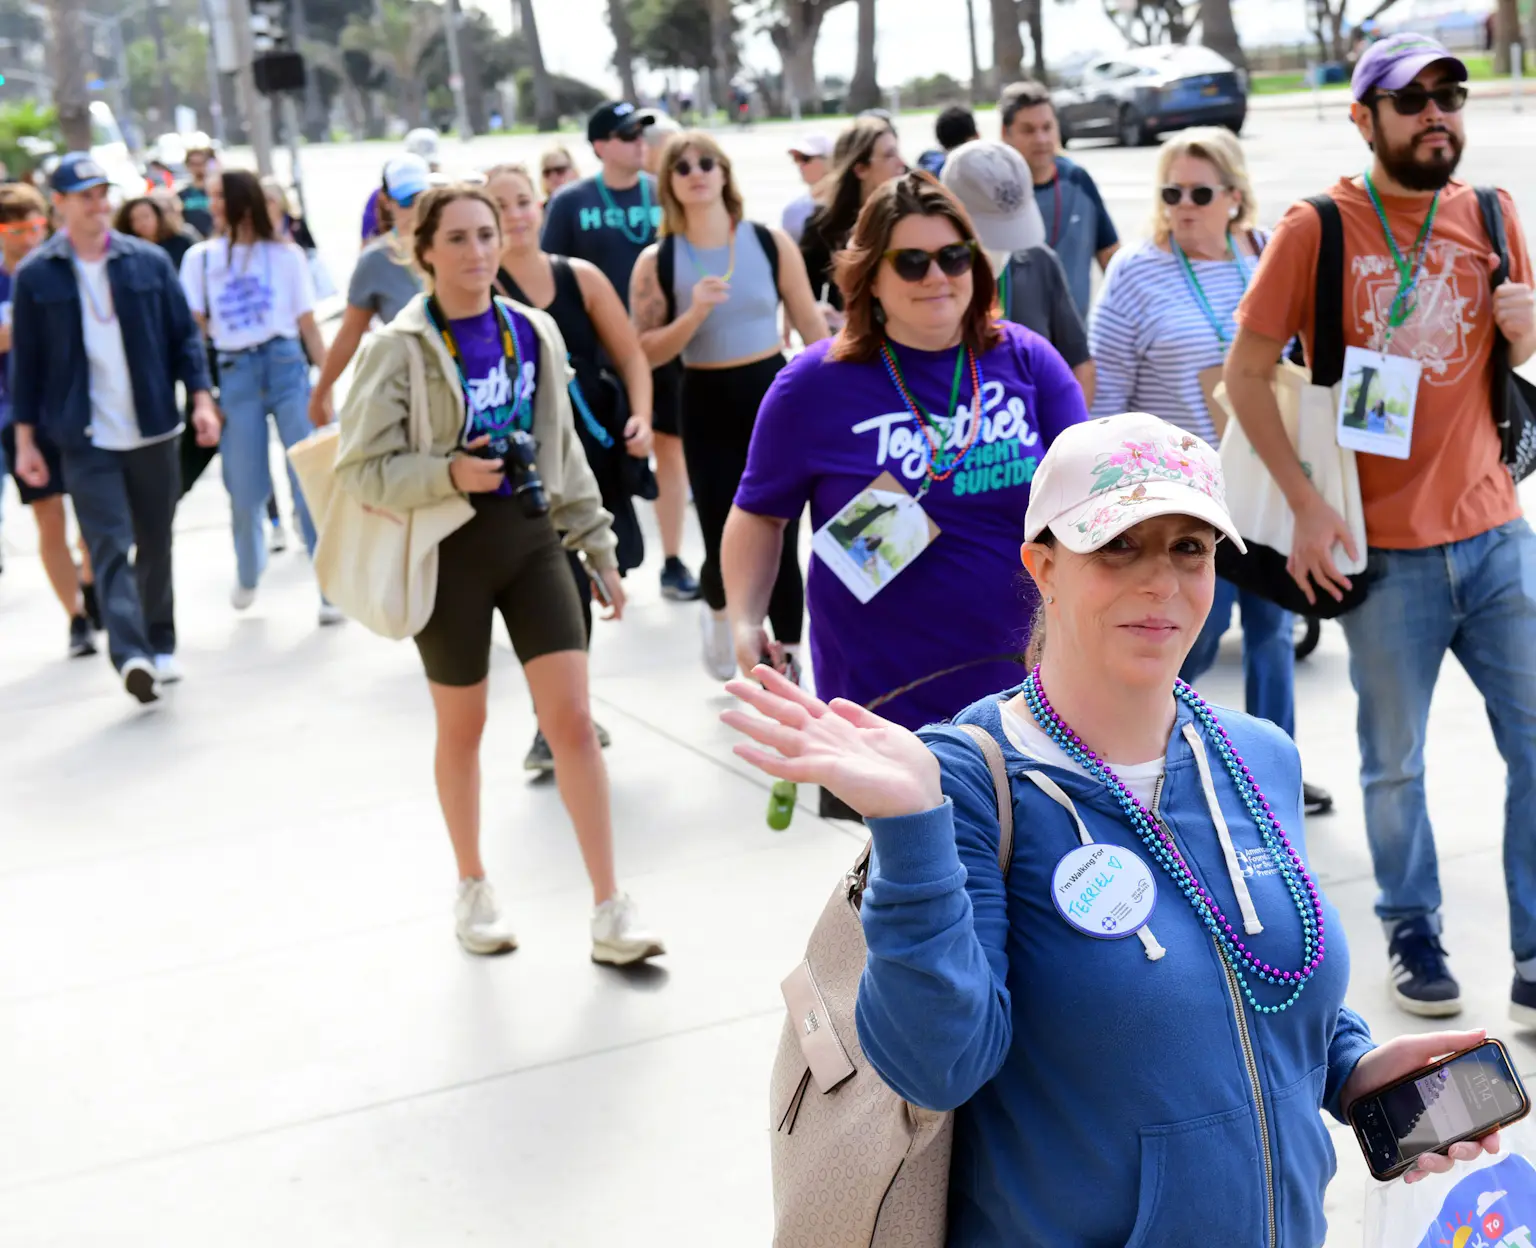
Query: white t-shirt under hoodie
[250,293]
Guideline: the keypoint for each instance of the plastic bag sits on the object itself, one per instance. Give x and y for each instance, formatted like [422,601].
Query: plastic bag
[1487,1203]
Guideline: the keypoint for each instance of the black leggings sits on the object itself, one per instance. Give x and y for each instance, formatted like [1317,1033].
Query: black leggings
[719,410]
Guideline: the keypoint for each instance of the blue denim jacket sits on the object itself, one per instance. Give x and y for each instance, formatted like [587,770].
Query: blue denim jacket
[50,376]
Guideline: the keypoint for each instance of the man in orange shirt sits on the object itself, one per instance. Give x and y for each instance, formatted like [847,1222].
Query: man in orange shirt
[1452,561]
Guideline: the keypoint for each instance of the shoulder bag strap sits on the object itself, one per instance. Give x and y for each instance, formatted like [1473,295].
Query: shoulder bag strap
[420,421]
[994,756]
[666,254]
[1493,226]
[1328,300]
[770,246]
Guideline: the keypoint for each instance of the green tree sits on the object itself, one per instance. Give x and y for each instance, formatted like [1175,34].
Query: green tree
[795,26]
[623,47]
[675,34]
[24,119]
[395,39]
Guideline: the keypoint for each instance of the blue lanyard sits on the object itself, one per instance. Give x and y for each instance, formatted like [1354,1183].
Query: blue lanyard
[512,351]
[1198,293]
[644,237]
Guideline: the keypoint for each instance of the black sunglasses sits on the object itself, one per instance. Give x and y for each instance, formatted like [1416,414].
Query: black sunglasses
[550,171]
[1449,97]
[682,168]
[800,158]
[911,263]
[1199,196]
[628,134]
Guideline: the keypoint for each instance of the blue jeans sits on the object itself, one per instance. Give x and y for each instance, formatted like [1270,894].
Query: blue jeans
[1269,653]
[1477,599]
[272,378]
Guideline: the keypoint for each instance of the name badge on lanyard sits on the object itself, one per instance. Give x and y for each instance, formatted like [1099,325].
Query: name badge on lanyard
[1104,891]
[1380,391]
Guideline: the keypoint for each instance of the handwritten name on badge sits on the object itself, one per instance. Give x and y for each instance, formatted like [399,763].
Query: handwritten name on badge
[1104,891]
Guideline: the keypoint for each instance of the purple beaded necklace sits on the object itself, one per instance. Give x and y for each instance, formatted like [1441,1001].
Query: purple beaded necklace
[1243,961]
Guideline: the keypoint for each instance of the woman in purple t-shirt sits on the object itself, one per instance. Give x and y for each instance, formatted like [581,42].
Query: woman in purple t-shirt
[880,421]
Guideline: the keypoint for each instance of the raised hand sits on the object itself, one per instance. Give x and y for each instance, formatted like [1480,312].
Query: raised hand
[875,766]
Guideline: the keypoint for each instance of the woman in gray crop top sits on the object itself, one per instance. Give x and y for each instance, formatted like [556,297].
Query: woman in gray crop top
[710,291]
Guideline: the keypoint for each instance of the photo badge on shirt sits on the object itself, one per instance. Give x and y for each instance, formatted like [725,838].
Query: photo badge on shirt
[875,537]
[1376,402]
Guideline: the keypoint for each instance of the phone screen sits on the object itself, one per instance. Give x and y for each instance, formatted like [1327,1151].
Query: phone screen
[1467,1094]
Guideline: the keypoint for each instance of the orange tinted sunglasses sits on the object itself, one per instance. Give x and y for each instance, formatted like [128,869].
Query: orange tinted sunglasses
[32,225]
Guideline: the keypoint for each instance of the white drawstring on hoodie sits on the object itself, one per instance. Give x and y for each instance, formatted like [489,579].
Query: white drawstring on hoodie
[1251,924]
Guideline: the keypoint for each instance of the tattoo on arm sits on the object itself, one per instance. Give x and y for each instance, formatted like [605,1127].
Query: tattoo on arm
[648,307]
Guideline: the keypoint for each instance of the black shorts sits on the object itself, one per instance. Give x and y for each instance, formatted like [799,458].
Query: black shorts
[667,398]
[500,561]
[31,494]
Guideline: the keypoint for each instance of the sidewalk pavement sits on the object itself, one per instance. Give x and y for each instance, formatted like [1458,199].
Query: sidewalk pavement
[232,1009]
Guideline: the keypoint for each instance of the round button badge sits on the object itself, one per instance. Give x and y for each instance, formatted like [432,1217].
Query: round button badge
[1105,891]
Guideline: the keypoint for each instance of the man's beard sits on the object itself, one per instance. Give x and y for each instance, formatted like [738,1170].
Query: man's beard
[1429,173]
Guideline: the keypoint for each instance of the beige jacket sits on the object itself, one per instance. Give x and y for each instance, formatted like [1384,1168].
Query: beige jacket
[374,460]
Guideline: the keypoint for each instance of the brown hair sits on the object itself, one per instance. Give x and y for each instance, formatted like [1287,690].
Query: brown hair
[18,201]
[123,222]
[429,215]
[1017,96]
[915,194]
[515,167]
[673,219]
[559,149]
[840,192]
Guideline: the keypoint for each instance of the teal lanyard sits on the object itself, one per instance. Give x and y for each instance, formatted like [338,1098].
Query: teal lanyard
[1408,274]
[1198,292]
[644,237]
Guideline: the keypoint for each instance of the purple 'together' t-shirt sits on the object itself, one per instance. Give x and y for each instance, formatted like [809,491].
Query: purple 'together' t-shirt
[826,429]
[495,405]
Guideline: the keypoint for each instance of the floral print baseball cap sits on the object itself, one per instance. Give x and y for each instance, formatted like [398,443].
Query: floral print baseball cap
[1103,476]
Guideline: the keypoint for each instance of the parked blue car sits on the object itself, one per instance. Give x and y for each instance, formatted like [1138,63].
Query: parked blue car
[1136,95]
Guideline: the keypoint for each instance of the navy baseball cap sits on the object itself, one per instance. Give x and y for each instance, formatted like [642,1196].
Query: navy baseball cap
[77,171]
[1397,60]
[609,119]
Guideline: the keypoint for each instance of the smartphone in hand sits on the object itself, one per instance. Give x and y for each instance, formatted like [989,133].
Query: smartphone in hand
[1462,1097]
[599,588]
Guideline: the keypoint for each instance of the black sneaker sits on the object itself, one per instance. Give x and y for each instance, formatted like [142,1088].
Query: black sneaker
[140,681]
[81,643]
[1522,1002]
[677,583]
[92,607]
[1315,801]
[603,739]
[539,758]
[1421,982]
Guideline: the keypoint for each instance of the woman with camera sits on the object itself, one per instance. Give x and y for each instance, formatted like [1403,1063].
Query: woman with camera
[502,436]
[1125,1014]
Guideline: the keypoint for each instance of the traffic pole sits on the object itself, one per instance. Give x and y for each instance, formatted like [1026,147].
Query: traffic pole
[456,72]
[258,118]
[1516,74]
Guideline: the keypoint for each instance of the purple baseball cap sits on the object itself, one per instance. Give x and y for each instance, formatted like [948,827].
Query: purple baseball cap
[1397,60]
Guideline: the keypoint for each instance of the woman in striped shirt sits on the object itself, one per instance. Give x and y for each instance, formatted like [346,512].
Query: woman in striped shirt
[1159,334]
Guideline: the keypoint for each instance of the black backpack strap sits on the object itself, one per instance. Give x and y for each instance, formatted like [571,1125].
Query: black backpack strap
[1493,226]
[770,246]
[1328,301]
[666,260]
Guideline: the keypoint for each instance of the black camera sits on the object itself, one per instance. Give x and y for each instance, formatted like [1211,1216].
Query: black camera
[521,464]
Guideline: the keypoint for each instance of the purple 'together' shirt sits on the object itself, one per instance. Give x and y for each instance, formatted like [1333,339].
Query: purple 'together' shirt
[491,397]
[827,429]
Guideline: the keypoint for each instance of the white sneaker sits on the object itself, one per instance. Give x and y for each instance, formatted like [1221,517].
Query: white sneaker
[719,651]
[168,669]
[240,598]
[617,937]
[477,922]
[277,538]
[330,613]
[139,679]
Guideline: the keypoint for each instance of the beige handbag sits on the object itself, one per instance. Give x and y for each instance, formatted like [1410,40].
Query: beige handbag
[854,1165]
[377,565]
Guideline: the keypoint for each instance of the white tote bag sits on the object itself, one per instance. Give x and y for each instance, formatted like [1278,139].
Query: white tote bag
[1257,504]
[377,565]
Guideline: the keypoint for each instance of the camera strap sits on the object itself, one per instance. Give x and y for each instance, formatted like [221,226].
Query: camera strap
[512,355]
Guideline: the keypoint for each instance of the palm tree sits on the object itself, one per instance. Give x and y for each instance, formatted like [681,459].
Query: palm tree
[864,90]
[396,37]
[1219,33]
[623,48]
[69,65]
[545,115]
[978,92]
[1007,47]
[1506,32]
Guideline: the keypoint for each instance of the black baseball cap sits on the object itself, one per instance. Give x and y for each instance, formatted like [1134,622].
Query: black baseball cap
[616,118]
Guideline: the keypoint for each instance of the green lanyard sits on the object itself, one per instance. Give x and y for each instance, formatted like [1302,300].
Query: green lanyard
[1193,281]
[644,236]
[925,419]
[1408,274]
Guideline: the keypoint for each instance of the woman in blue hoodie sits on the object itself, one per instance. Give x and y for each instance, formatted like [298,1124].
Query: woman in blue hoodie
[1140,1023]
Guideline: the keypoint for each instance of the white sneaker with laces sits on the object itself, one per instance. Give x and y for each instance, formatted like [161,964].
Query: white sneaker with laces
[477,921]
[168,669]
[240,598]
[719,650]
[330,613]
[277,538]
[617,936]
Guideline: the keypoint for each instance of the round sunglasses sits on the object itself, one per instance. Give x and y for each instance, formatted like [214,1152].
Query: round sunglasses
[1199,196]
[683,168]
[911,263]
[1449,97]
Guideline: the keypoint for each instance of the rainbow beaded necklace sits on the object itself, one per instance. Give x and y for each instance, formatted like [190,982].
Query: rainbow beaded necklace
[928,423]
[1243,961]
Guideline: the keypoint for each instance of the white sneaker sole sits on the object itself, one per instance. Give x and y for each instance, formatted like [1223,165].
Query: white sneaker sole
[1522,1015]
[1425,1009]
[609,954]
[486,948]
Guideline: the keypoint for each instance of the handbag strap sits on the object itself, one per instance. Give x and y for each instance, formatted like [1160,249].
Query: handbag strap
[994,756]
[420,423]
[1328,298]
